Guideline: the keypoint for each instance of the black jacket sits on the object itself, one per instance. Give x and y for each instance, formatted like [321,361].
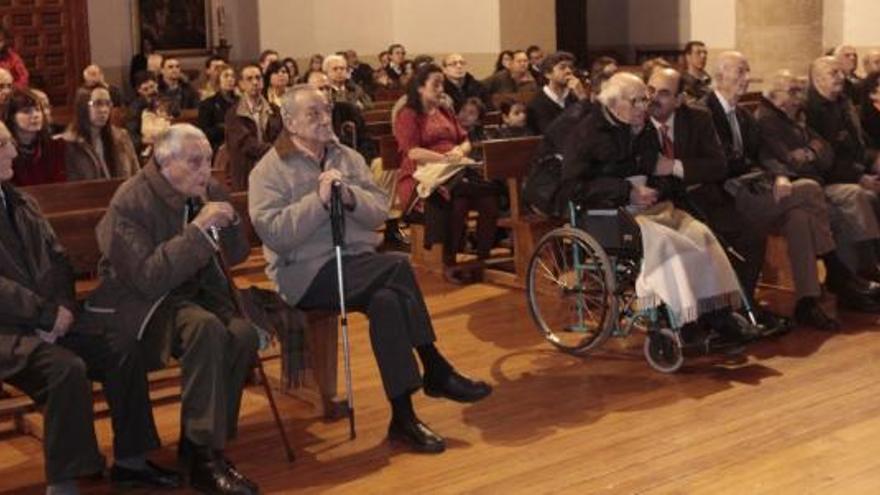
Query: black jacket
[470,88]
[837,122]
[782,136]
[212,117]
[737,163]
[600,154]
[346,112]
[542,111]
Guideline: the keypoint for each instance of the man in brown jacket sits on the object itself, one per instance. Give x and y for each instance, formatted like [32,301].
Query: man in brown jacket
[251,127]
[162,292]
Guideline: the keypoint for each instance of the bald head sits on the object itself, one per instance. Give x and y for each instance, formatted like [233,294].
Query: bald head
[731,73]
[871,62]
[848,58]
[306,112]
[827,77]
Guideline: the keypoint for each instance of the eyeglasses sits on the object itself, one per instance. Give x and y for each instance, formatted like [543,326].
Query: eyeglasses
[101,103]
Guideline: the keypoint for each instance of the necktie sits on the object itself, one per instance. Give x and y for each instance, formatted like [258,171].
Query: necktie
[735,132]
[666,142]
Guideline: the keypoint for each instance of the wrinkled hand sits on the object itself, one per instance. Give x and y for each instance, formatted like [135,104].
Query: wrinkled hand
[870,182]
[325,187]
[781,188]
[665,166]
[215,214]
[642,196]
[63,322]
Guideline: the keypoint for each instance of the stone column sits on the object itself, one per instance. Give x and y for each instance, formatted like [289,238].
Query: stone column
[778,34]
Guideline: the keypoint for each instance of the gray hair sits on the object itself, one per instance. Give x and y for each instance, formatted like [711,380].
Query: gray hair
[325,67]
[722,61]
[288,100]
[616,88]
[170,143]
[778,82]
[822,62]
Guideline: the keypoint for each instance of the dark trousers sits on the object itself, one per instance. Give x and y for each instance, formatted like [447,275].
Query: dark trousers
[384,287]
[216,351]
[55,378]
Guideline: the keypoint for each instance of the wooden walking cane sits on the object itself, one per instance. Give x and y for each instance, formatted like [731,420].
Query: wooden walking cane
[240,307]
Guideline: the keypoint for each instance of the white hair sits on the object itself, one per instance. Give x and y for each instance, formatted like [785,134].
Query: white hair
[616,88]
[779,81]
[329,59]
[288,99]
[722,60]
[170,143]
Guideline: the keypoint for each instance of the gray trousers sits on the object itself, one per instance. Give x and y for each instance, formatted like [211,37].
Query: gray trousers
[803,219]
[384,287]
[216,351]
[854,214]
[55,378]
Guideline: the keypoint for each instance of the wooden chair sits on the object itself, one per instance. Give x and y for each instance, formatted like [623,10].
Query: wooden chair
[69,196]
[377,116]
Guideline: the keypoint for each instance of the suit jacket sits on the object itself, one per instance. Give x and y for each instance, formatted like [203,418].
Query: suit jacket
[212,117]
[245,143]
[837,122]
[35,278]
[696,144]
[542,111]
[782,135]
[737,163]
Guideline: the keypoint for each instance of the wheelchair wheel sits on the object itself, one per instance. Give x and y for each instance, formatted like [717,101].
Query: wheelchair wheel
[571,291]
[663,350]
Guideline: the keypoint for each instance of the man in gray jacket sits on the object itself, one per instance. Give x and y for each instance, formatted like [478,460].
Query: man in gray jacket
[288,197]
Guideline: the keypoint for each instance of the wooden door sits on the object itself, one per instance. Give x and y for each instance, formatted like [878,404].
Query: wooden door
[52,37]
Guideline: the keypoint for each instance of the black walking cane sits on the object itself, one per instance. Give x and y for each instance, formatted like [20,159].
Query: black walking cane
[337,224]
[240,308]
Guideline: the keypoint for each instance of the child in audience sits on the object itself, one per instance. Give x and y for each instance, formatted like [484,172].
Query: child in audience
[513,120]
[470,117]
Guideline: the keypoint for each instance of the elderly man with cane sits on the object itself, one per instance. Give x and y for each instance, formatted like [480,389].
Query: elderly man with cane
[289,201]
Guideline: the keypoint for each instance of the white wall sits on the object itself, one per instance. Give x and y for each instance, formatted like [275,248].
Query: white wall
[714,23]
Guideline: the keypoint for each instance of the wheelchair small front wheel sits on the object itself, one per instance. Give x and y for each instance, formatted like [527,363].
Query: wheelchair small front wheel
[663,350]
[570,288]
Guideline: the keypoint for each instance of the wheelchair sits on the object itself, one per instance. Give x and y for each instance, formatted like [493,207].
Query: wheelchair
[580,287]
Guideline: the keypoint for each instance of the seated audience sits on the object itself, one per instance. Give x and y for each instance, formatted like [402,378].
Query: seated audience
[96,149]
[138,61]
[361,72]
[154,64]
[146,97]
[6,86]
[800,159]
[162,295]
[470,117]
[251,127]
[275,82]
[536,56]
[503,61]
[854,209]
[347,120]
[697,82]
[609,161]
[396,65]
[41,159]
[600,71]
[458,83]
[11,61]
[848,58]
[513,120]
[210,76]
[175,87]
[514,79]
[93,76]
[46,107]
[213,110]
[51,350]
[343,88]
[292,70]
[155,120]
[428,133]
[869,110]
[562,88]
[266,58]
[288,201]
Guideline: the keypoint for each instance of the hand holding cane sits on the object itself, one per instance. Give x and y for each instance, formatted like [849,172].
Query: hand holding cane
[337,224]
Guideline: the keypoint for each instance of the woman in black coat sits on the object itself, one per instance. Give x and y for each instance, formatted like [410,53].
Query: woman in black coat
[212,111]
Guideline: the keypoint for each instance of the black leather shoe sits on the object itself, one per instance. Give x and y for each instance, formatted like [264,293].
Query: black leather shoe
[235,473]
[844,286]
[807,312]
[855,300]
[153,476]
[210,473]
[416,436]
[459,388]
[769,324]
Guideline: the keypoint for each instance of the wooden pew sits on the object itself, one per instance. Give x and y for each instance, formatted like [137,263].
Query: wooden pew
[523,97]
[377,116]
[71,196]
[387,94]
[508,160]
[378,129]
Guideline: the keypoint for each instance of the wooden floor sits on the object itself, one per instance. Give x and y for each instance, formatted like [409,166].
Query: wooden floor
[800,414]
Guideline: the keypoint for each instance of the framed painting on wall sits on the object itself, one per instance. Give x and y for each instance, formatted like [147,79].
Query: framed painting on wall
[181,27]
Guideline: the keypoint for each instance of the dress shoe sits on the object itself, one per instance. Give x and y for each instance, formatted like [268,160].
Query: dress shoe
[415,435]
[235,473]
[394,238]
[769,324]
[852,284]
[853,296]
[210,473]
[153,476]
[458,387]
[807,312]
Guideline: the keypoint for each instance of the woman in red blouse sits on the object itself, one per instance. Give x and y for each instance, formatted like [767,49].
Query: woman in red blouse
[427,132]
[40,158]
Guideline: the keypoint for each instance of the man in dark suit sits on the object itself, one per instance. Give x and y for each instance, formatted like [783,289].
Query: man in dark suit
[536,59]
[563,89]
